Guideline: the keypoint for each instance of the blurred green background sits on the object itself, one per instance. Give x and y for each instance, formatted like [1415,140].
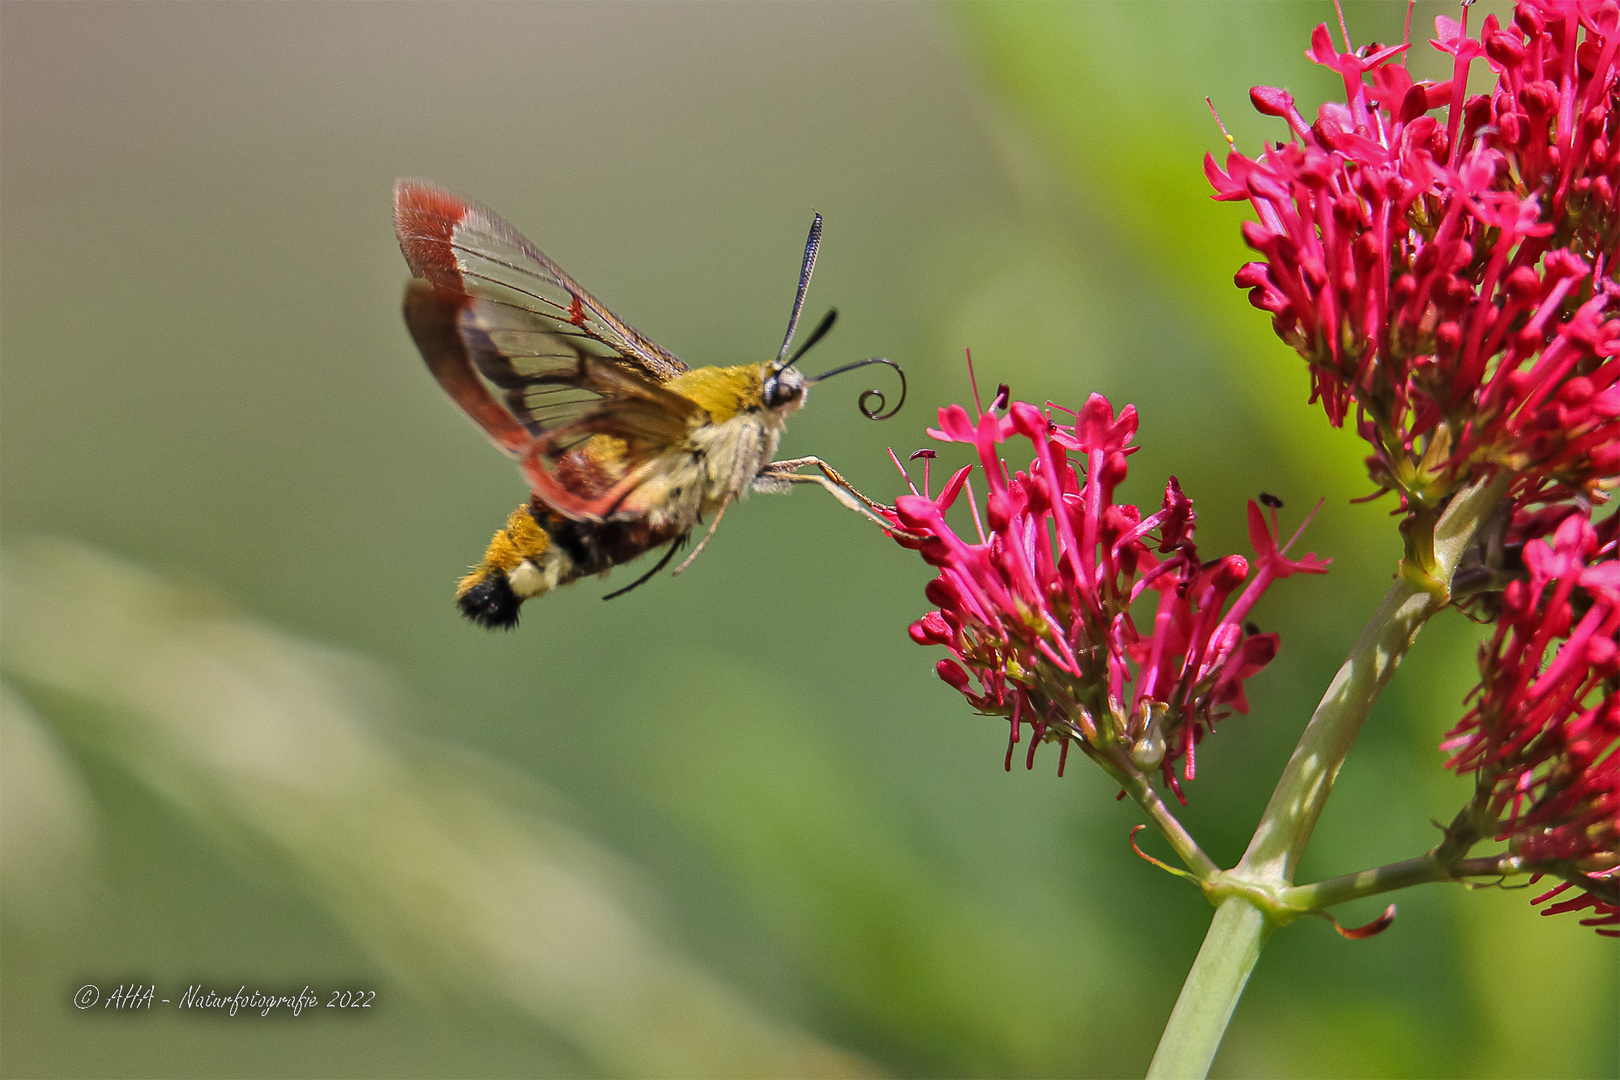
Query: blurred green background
[726,825]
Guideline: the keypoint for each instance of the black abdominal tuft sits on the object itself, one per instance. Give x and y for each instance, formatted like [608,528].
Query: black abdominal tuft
[491,603]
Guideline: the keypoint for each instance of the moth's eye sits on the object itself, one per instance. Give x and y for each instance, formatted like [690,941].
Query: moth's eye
[777,394]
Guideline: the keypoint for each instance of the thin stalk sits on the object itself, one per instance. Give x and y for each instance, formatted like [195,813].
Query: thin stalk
[1396,875]
[1337,890]
[1140,789]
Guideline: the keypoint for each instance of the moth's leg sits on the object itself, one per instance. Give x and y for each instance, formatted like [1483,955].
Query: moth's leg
[779,476]
[674,545]
[713,525]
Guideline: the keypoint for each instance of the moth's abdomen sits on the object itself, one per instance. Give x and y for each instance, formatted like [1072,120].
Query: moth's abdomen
[539,550]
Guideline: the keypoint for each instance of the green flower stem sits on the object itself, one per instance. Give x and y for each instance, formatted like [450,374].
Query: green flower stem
[1445,862]
[1140,789]
[1397,875]
[1241,923]
[1230,950]
[1337,890]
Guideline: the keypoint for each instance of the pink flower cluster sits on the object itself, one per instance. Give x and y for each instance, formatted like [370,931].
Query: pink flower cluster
[1037,604]
[1453,275]
[1543,737]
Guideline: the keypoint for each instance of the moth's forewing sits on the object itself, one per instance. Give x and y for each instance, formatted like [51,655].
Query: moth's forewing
[545,382]
[461,246]
[537,362]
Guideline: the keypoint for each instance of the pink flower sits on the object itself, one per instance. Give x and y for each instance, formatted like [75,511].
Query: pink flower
[1038,606]
[1605,908]
[1452,276]
[1543,737]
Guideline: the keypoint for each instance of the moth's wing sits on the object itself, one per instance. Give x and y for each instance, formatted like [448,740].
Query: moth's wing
[435,319]
[526,326]
[517,379]
[459,245]
[533,359]
[463,337]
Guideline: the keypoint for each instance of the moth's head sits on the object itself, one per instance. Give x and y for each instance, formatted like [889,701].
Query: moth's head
[784,389]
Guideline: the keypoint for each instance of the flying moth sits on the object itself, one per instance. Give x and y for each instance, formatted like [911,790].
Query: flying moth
[625,448]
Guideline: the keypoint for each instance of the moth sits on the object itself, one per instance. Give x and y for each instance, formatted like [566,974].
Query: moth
[625,448]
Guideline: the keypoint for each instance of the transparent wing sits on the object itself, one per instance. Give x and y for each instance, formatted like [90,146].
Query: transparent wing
[534,360]
[553,393]
[533,324]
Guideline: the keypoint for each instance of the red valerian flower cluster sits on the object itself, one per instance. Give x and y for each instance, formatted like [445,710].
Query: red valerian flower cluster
[1543,738]
[1037,605]
[1453,275]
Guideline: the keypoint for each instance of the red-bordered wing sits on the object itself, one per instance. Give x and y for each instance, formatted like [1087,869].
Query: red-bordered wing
[490,310]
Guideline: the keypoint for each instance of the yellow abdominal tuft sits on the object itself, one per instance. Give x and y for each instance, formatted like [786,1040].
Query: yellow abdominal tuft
[522,539]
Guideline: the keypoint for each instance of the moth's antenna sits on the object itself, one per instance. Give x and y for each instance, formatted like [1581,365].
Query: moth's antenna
[811,246]
[870,411]
[816,335]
